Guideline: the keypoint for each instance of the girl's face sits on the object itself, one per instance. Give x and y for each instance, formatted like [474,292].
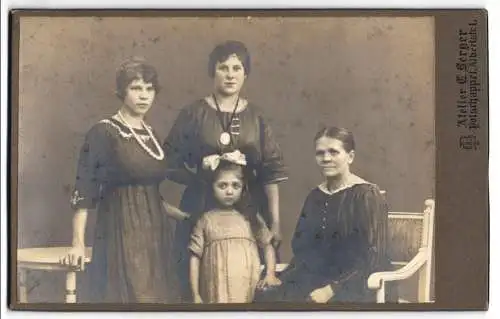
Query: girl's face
[228,187]
[229,76]
[332,158]
[139,97]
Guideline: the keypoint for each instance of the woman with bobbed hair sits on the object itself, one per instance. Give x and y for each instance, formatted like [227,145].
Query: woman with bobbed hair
[120,167]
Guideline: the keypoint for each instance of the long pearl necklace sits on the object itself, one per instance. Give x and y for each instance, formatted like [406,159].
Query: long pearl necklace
[160,156]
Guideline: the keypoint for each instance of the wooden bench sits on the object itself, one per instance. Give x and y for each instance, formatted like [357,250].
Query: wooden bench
[47,259]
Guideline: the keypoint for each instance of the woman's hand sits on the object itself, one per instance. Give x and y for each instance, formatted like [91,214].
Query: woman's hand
[174,212]
[74,258]
[322,295]
[268,281]
[211,162]
[192,169]
[197,299]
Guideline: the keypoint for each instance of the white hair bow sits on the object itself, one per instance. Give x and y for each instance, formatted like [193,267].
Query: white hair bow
[212,161]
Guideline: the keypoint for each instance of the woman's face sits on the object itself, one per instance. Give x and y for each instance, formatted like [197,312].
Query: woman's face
[139,96]
[331,157]
[227,188]
[229,76]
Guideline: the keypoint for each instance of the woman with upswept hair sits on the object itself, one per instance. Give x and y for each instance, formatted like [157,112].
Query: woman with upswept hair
[341,233]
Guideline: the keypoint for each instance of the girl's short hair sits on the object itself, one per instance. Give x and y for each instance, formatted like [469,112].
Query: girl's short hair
[212,176]
[246,205]
[135,68]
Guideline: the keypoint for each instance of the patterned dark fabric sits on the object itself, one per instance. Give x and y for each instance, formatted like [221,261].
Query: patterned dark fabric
[340,239]
[133,237]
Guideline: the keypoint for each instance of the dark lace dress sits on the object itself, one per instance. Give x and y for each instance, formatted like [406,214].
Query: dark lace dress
[131,255]
[195,135]
[340,239]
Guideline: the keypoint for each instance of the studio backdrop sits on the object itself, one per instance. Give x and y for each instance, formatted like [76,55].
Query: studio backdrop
[373,75]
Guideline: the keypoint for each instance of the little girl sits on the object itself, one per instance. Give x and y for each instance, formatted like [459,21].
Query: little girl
[225,263]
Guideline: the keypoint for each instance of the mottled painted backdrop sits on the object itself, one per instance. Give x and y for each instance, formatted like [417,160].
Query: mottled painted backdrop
[374,76]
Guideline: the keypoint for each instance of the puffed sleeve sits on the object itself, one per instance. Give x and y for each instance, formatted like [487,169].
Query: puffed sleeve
[91,170]
[197,240]
[177,147]
[364,249]
[377,216]
[272,169]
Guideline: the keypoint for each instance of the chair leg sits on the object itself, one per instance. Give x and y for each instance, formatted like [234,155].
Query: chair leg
[23,293]
[422,285]
[71,287]
[381,293]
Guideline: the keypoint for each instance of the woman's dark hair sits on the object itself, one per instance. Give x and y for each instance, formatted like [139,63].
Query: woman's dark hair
[338,133]
[224,50]
[132,69]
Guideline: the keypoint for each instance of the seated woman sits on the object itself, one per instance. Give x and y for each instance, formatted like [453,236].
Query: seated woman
[340,238]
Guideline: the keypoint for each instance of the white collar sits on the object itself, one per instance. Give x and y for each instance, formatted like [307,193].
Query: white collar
[351,181]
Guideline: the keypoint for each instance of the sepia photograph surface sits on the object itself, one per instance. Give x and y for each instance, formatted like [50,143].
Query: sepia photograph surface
[226,160]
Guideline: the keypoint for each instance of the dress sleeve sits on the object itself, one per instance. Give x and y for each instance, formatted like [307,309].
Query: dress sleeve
[364,249]
[177,147]
[91,170]
[377,216]
[272,169]
[197,240]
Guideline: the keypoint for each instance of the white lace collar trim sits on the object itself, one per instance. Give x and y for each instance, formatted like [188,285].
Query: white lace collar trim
[123,134]
[352,181]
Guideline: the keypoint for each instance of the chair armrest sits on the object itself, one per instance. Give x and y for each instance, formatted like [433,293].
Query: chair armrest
[375,280]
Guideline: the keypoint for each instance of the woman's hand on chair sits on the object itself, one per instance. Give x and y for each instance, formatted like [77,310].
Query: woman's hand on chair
[75,258]
[322,295]
[268,281]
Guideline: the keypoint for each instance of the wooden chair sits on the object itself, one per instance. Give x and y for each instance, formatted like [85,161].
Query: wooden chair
[411,243]
[411,246]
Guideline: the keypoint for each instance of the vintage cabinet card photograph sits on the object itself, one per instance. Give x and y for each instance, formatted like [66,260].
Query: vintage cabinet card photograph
[248,160]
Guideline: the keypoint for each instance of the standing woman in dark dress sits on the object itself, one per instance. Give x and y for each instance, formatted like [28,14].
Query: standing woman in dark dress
[341,234]
[120,167]
[219,123]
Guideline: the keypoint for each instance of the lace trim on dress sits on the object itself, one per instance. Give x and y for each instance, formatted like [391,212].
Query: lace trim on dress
[123,134]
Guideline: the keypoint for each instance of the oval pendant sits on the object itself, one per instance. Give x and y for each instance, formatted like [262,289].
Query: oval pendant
[225,138]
